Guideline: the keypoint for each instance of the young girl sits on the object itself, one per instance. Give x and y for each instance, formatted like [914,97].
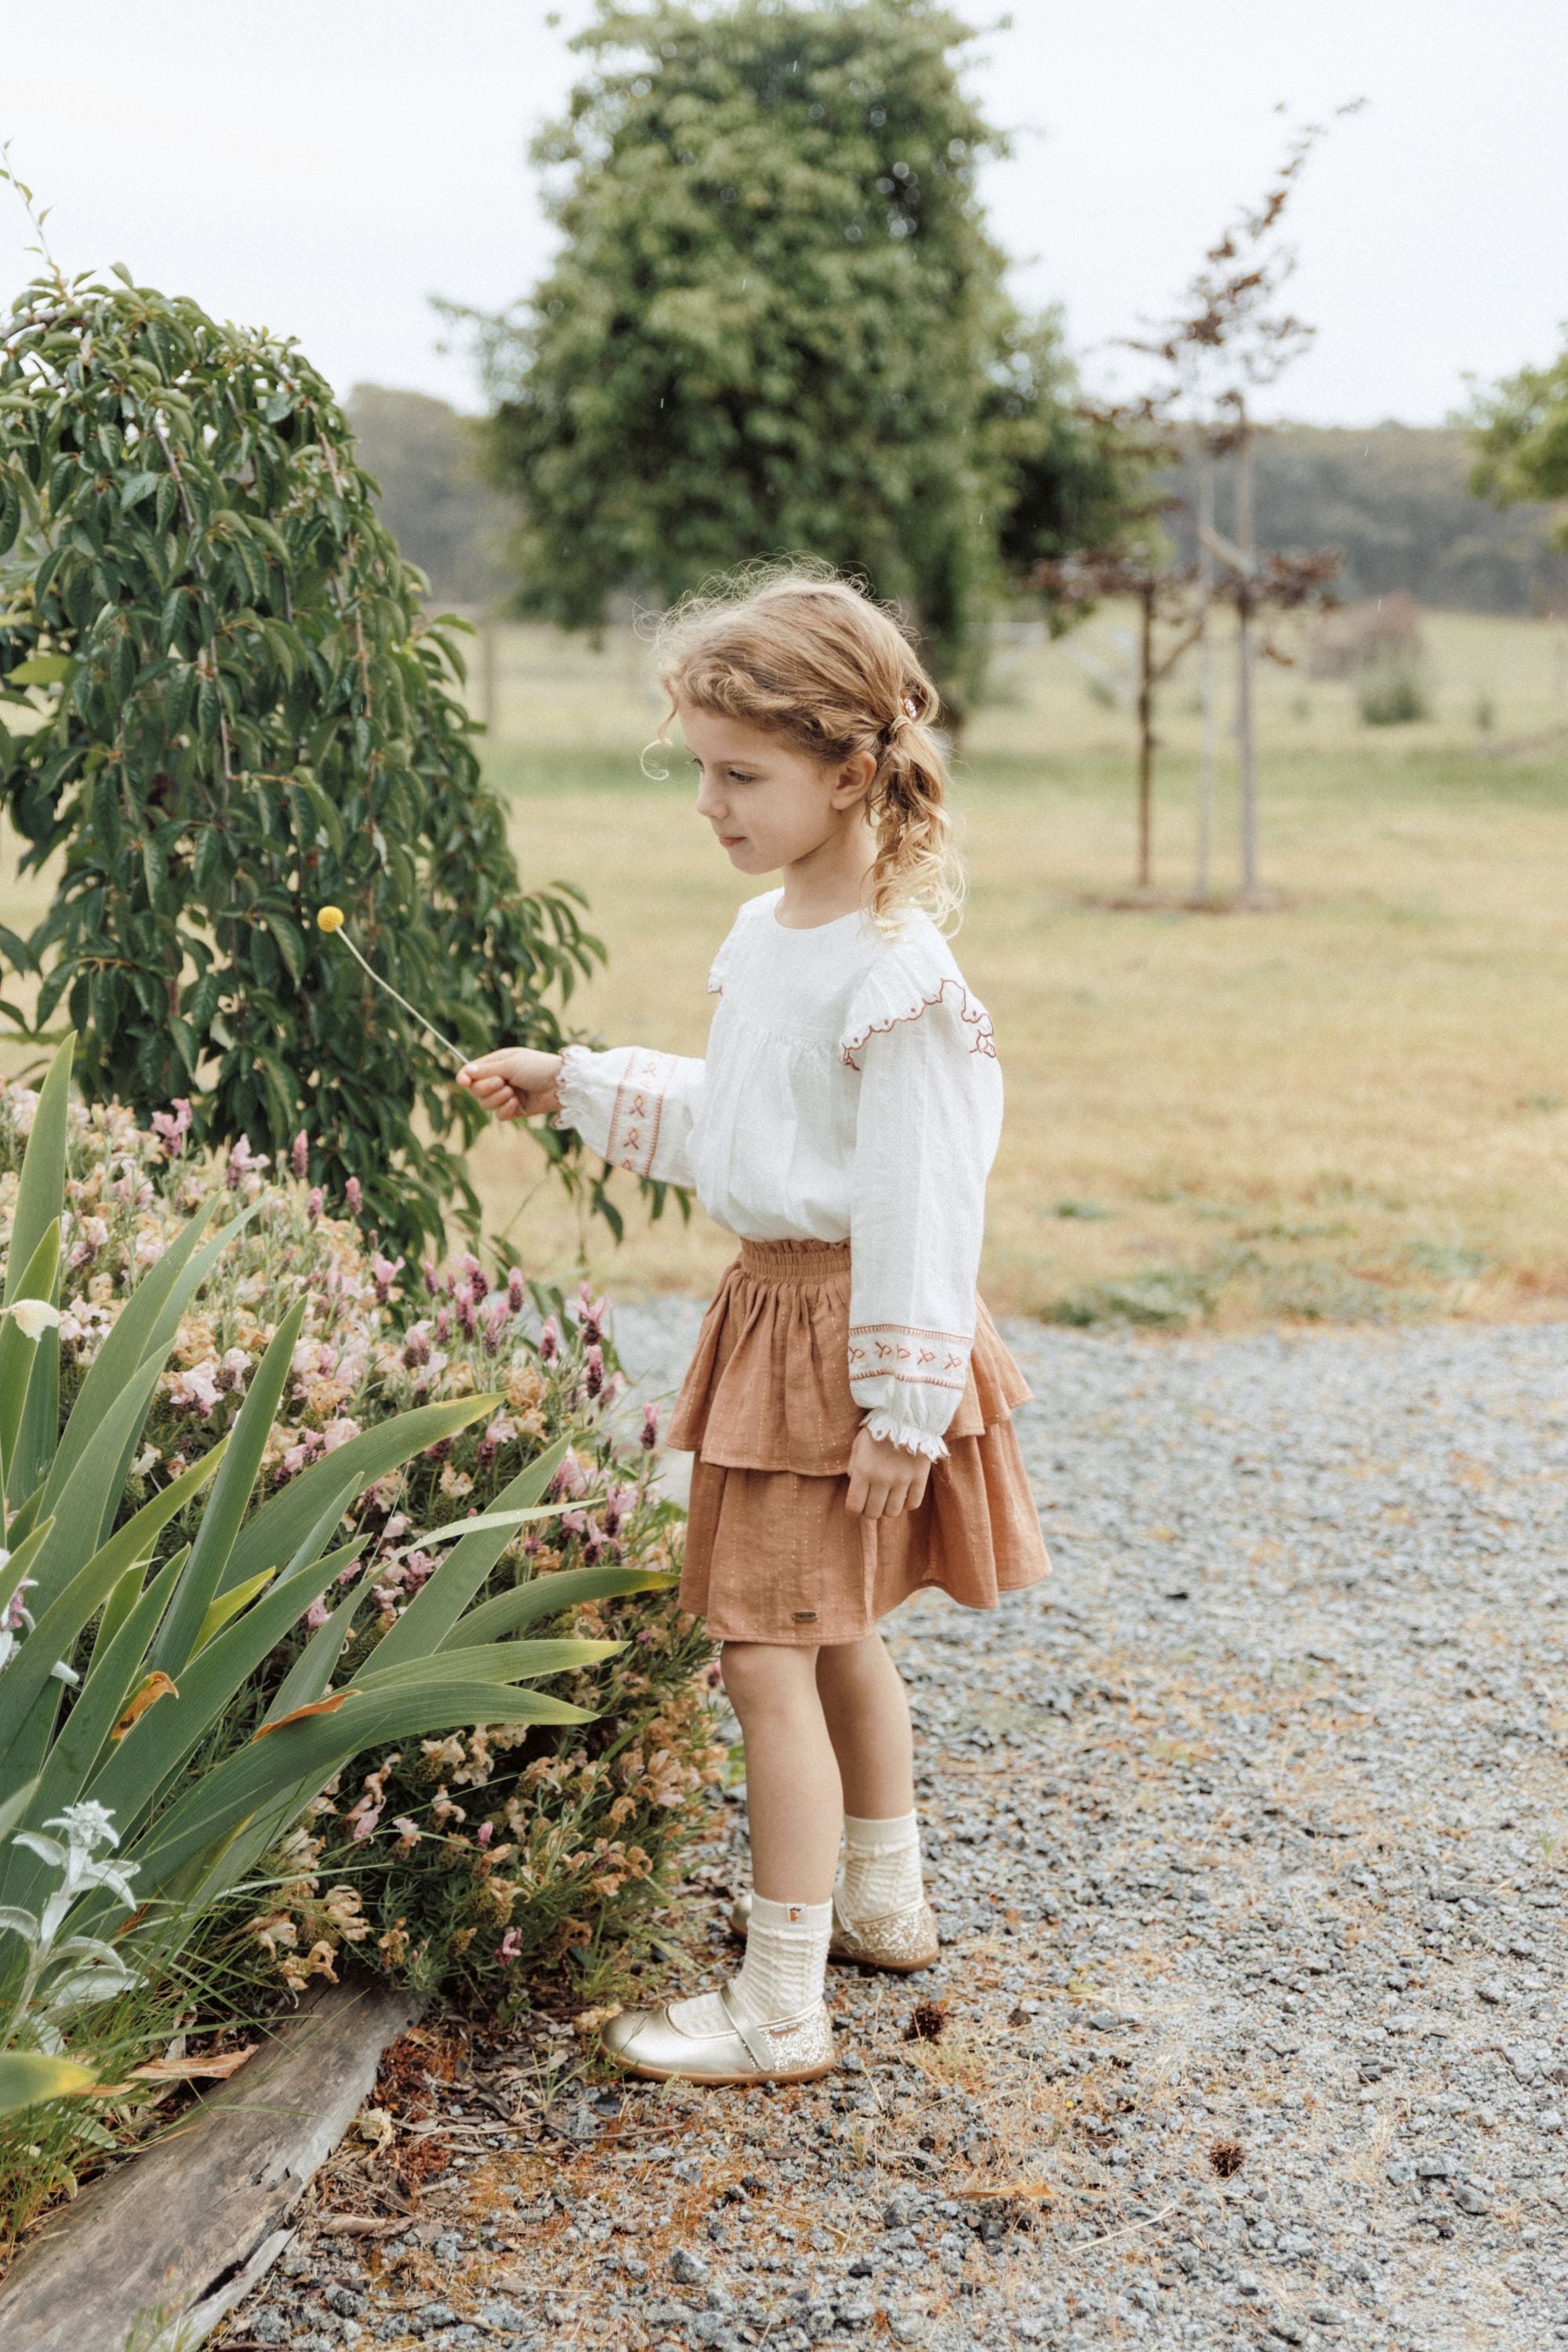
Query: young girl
[848,1404]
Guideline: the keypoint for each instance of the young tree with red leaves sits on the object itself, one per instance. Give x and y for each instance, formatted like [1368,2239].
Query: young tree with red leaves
[1234,336]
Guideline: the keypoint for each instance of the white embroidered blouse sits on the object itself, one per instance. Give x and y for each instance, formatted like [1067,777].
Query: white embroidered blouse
[851,1092]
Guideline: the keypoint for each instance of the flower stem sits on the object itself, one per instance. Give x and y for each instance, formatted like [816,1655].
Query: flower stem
[461,1058]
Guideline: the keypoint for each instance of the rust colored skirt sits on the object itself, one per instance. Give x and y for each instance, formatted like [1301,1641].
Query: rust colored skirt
[772,1554]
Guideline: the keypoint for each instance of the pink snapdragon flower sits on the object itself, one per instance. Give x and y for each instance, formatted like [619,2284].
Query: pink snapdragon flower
[244,1162]
[591,1312]
[172,1131]
[94,1233]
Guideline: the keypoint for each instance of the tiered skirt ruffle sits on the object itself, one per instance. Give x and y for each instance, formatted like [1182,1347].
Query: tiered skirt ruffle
[773,1553]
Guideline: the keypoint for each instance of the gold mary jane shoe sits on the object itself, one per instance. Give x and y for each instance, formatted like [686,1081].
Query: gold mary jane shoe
[901,1942]
[649,2042]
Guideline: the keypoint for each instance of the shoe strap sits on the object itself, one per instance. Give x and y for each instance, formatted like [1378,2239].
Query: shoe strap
[754,2037]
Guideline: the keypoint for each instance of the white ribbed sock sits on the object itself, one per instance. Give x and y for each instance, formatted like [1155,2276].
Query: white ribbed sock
[785,1965]
[782,1975]
[881,1870]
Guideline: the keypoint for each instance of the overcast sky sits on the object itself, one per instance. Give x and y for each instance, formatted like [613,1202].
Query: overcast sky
[322,167]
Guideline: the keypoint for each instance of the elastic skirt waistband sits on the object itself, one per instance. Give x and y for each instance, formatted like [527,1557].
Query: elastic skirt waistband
[794,1261]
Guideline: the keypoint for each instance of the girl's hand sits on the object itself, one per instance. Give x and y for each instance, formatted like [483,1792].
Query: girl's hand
[885,1478]
[515,1083]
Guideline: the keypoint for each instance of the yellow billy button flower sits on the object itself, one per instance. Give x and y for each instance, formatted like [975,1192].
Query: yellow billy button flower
[331,920]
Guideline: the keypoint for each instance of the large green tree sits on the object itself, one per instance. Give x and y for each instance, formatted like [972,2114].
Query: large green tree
[777,324]
[1520,436]
[225,707]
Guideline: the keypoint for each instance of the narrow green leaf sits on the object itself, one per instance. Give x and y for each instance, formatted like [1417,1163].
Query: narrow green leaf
[440,1602]
[28,2078]
[313,1751]
[493,1661]
[204,1581]
[312,1670]
[18,1354]
[547,1596]
[282,1521]
[166,1735]
[64,1619]
[115,1670]
[14,1811]
[40,1196]
[144,1327]
[76,1512]
[228,1605]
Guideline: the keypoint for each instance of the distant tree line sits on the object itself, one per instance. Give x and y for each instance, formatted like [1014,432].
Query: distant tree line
[1397,502]
[1395,499]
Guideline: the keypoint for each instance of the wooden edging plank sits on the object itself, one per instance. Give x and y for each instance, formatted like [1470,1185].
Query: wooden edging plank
[157,2251]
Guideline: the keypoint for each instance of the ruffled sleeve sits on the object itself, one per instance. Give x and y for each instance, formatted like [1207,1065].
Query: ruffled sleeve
[635,1106]
[927,1125]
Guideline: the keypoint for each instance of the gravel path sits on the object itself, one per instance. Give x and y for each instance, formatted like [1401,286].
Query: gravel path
[1246,1836]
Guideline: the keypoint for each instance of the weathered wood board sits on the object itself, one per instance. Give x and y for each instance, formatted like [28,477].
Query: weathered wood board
[155,2252]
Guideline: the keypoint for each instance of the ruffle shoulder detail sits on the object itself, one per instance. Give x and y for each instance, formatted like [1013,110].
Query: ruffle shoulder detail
[748,914]
[907,980]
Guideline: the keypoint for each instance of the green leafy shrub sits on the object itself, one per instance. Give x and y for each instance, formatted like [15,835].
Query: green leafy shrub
[1392,690]
[226,707]
[294,1350]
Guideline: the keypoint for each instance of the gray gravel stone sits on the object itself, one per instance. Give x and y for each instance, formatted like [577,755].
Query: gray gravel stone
[1252,1898]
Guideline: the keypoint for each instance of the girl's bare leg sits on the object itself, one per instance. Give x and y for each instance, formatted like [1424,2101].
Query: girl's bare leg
[768,2022]
[793,1798]
[868,1718]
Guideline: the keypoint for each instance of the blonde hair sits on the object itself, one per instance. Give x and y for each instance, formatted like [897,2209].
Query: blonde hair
[797,651]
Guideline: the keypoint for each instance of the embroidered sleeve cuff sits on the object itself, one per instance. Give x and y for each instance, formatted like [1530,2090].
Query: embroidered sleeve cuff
[900,1432]
[617,1103]
[586,1086]
[908,1381]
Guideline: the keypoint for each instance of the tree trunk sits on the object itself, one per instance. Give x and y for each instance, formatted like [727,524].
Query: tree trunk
[1208,745]
[1246,741]
[490,710]
[1146,742]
